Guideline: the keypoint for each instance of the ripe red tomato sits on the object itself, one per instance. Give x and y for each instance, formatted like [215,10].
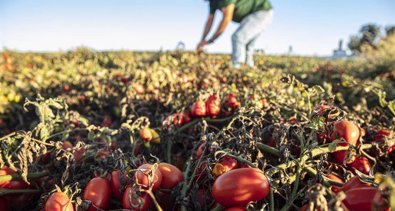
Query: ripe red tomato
[213,106]
[147,176]
[115,182]
[333,177]
[58,202]
[229,163]
[349,132]
[198,109]
[79,155]
[362,164]
[135,200]
[354,182]
[388,135]
[171,175]
[362,199]
[180,119]
[146,134]
[240,208]
[98,191]
[240,186]
[4,205]
[232,101]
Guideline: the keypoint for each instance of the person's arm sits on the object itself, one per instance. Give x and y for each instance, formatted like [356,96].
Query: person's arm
[226,19]
[207,28]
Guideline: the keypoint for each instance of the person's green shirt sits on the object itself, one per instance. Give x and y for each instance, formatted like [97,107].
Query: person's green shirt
[242,7]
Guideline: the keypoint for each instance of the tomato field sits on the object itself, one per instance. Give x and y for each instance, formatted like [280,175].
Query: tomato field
[86,130]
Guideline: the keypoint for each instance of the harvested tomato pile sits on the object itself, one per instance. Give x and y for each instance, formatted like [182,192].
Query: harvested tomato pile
[84,130]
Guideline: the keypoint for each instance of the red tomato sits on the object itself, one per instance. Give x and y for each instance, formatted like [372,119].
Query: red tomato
[232,101]
[116,183]
[349,132]
[362,199]
[354,182]
[146,134]
[362,164]
[98,191]
[213,106]
[264,102]
[384,134]
[58,202]
[240,208]
[229,163]
[333,177]
[171,175]
[198,109]
[240,186]
[134,200]
[147,176]
[180,119]
[78,155]
[4,205]
[67,145]
[200,150]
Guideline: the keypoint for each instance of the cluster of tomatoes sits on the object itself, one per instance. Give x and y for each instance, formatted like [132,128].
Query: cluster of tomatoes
[134,194]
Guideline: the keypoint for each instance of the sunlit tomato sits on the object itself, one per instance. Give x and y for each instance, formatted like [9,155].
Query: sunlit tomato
[354,182]
[6,171]
[264,102]
[239,208]
[226,164]
[213,106]
[4,205]
[171,175]
[116,183]
[232,101]
[58,202]
[180,119]
[333,177]
[349,132]
[138,88]
[240,186]
[98,191]
[147,175]
[146,134]
[198,109]
[362,199]
[361,164]
[135,200]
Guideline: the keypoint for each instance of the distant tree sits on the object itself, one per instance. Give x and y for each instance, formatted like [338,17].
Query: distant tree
[390,30]
[369,34]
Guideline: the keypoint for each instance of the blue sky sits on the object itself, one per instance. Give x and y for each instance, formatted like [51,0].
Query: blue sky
[312,27]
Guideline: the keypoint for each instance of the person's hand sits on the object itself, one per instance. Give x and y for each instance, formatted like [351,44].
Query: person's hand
[201,45]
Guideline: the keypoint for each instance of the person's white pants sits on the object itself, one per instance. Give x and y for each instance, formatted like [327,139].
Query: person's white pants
[243,40]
